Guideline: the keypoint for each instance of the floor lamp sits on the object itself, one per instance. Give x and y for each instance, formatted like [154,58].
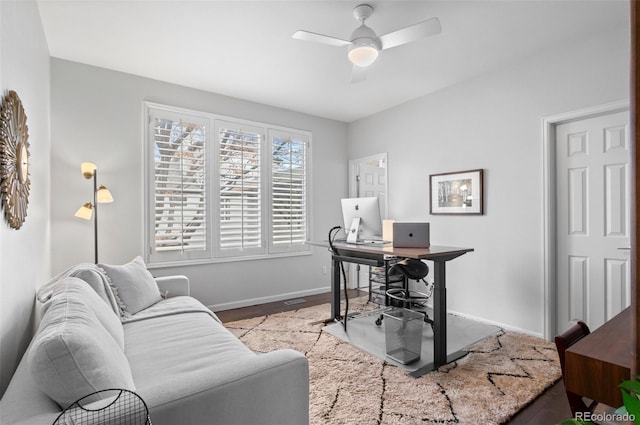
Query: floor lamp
[101,195]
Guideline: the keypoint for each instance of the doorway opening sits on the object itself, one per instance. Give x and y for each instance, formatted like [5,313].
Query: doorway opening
[368,177]
[551,234]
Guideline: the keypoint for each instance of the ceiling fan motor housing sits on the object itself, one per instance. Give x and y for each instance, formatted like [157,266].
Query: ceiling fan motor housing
[363,35]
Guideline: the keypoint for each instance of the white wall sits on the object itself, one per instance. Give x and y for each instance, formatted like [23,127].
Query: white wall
[24,254]
[97,117]
[493,122]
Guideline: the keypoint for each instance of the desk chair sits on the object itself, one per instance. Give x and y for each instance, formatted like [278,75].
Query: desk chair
[108,407]
[563,342]
[411,269]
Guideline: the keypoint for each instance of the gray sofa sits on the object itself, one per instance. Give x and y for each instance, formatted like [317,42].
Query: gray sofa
[174,353]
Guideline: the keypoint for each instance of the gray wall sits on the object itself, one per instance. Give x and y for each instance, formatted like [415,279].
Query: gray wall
[97,117]
[80,113]
[24,253]
[493,122]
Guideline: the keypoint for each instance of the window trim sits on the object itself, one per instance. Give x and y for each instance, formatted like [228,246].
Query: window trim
[212,171]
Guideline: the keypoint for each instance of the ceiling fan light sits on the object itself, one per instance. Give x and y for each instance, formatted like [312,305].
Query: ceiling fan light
[363,55]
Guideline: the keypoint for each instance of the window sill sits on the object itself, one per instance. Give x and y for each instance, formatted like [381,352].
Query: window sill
[183,263]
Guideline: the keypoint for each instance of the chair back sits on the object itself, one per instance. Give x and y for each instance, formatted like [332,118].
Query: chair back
[563,341]
[106,407]
[572,335]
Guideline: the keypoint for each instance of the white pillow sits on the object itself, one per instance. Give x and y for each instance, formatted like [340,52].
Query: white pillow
[135,287]
[95,278]
[73,355]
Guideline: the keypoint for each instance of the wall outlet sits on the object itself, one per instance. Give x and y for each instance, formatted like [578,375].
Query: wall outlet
[324,269]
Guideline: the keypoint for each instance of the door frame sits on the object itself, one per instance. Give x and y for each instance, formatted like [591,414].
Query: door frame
[549,125]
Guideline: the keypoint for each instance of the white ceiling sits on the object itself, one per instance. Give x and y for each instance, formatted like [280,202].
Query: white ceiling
[244,49]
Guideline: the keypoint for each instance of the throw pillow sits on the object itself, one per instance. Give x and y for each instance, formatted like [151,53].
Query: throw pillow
[96,279]
[135,287]
[73,355]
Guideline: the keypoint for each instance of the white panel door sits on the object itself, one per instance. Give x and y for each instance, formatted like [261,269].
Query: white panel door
[593,208]
[368,177]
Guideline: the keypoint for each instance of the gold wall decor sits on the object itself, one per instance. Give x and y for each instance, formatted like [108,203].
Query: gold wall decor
[14,160]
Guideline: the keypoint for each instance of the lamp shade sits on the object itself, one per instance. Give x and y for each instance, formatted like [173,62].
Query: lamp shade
[88,168]
[85,212]
[104,196]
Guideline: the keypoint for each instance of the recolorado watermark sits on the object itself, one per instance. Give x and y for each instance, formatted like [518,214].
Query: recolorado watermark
[605,417]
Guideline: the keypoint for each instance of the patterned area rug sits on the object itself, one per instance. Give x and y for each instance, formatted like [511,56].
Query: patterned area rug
[500,375]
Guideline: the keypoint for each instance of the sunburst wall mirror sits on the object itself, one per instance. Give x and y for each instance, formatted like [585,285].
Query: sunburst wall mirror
[14,160]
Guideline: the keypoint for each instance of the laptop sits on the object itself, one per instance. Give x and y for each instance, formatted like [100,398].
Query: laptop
[411,235]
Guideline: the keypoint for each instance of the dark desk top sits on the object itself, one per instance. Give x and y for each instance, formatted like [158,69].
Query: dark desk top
[595,365]
[434,252]
[610,343]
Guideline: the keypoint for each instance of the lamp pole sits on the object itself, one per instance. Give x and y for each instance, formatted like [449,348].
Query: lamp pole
[95,213]
[100,195]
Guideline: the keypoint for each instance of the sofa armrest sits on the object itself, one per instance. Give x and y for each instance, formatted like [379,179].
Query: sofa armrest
[174,286]
[270,388]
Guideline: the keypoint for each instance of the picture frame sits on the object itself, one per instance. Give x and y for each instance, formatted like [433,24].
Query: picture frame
[456,193]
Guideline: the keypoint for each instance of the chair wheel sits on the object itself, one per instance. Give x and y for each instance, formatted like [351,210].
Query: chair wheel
[379,321]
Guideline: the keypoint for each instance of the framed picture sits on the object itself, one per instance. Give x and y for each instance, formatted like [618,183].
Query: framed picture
[456,193]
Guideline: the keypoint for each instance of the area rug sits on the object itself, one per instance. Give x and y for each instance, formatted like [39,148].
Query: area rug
[499,376]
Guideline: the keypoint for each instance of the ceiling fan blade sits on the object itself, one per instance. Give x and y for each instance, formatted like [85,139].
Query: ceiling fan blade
[411,33]
[320,38]
[358,74]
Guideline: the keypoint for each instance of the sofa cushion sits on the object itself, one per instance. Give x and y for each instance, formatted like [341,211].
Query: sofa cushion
[179,347]
[73,355]
[135,286]
[78,289]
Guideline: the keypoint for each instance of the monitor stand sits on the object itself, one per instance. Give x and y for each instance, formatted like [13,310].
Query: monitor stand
[352,235]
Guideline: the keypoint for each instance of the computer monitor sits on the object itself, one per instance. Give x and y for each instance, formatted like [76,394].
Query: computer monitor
[367,210]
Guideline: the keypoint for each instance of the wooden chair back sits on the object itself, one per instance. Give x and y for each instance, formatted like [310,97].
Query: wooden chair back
[563,341]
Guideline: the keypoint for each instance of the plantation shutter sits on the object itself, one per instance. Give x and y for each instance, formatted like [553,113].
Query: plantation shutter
[179,186]
[240,189]
[220,188]
[289,226]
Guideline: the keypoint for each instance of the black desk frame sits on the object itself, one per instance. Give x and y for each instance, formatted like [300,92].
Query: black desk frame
[380,257]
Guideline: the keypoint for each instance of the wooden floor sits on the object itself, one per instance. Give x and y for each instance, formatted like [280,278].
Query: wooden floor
[548,409]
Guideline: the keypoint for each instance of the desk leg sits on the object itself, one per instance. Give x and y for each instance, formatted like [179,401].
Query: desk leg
[440,315]
[335,289]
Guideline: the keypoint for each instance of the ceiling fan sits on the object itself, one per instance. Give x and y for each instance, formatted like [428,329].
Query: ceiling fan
[365,45]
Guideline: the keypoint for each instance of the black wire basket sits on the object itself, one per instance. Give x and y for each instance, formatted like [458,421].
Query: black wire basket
[106,407]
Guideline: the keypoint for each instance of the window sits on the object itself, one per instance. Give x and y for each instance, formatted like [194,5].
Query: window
[179,187]
[288,190]
[240,191]
[220,188]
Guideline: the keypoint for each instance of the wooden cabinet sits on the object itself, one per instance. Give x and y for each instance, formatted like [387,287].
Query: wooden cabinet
[599,362]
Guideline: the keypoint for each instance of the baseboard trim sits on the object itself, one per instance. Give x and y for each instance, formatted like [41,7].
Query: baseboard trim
[264,300]
[494,323]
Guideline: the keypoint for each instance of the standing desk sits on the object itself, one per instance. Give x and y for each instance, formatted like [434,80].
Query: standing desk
[379,256]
